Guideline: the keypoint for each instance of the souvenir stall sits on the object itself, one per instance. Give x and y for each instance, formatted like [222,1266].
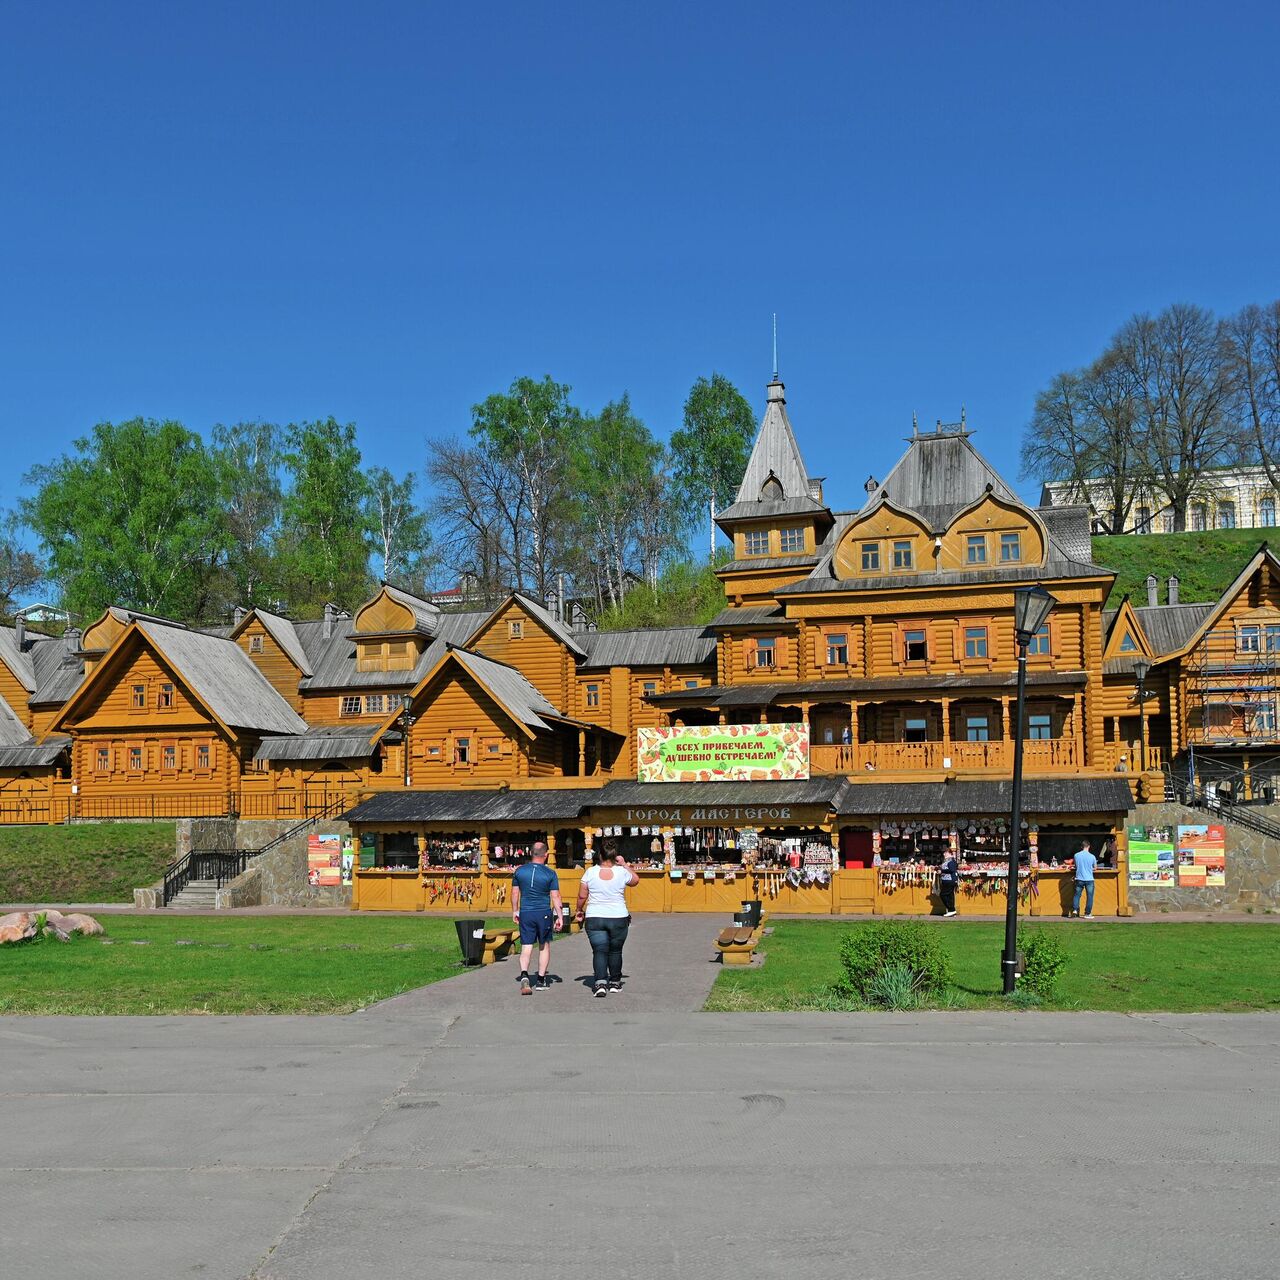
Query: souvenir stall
[387,871]
[451,878]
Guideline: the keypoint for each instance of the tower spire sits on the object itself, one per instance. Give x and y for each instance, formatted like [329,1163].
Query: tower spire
[775,346]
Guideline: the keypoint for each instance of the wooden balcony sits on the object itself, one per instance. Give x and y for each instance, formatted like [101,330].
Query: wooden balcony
[1040,755]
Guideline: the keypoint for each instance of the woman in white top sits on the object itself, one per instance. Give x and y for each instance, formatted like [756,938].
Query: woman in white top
[603,911]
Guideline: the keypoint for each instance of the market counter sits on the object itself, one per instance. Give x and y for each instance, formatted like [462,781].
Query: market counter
[880,891]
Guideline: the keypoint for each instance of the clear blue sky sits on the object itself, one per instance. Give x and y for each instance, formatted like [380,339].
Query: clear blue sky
[218,212]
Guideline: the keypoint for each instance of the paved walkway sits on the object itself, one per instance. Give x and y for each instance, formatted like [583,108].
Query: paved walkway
[669,966]
[605,1141]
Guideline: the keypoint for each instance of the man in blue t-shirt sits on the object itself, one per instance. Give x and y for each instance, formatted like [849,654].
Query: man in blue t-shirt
[536,908]
[1084,864]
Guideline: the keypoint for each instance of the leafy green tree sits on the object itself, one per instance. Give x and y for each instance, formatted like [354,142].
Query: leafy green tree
[20,569]
[397,528]
[249,459]
[525,434]
[710,452]
[687,594]
[324,552]
[619,486]
[132,517]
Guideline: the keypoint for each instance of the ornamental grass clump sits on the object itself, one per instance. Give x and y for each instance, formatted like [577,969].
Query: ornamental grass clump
[876,956]
[1045,959]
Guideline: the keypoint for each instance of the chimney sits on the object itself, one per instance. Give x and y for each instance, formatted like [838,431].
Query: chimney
[1173,588]
[872,485]
[20,631]
[238,615]
[815,488]
[71,639]
[1153,587]
[326,630]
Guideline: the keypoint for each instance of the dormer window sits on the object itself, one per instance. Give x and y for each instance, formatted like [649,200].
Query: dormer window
[771,490]
[515,629]
[870,557]
[1130,645]
[976,548]
[1010,548]
[902,555]
[255,644]
[756,542]
[792,540]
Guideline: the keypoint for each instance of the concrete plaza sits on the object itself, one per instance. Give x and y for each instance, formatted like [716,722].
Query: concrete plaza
[464,1131]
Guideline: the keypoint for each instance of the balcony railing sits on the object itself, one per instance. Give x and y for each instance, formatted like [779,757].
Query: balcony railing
[1039,755]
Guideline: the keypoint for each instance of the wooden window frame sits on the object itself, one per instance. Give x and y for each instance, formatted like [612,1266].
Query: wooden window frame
[1254,629]
[1039,715]
[137,691]
[750,538]
[255,644]
[1016,543]
[648,687]
[987,626]
[98,754]
[1050,636]
[166,697]
[693,684]
[141,753]
[515,628]
[827,638]
[591,695]
[900,646]
[207,766]
[167,748]
[380,708]
[975,542]
[344,711]
[771,647]
[462,742]
[789,534]
[910,545]
[871,550]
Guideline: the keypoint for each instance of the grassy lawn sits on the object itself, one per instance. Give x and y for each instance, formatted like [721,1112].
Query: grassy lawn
[85,862]
[1206,563]
[210,964]
[1122,967]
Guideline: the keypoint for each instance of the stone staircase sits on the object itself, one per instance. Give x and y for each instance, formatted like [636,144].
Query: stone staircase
[196,895]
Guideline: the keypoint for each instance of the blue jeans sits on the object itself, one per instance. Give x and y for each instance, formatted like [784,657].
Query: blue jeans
[1085,887]
[607,934]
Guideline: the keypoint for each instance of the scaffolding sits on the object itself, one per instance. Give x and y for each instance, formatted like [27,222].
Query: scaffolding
[1232,690]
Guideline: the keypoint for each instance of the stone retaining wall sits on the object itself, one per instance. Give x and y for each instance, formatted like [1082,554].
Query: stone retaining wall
[1253,865]
[278,878]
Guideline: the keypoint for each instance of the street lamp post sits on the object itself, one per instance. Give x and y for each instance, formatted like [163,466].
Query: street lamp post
[406,723]
[1031,608]
[1141,669]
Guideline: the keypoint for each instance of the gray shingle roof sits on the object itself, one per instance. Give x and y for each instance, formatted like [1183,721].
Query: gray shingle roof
[1170,626]
[222,675]
[629,794]
[473,806]
[649,647]
[1054,567]
[557,628]
[769,562]
[1048,796]
[769,509]
[283,633]
[33,755]
[752,615]
[320,742]
[1069,528]
[775,453]
[510,688]
[59,670]
[941,472]
[13,732]
[19,661]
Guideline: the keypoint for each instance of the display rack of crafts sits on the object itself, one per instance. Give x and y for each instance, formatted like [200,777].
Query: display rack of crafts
[906,875]
[453,889]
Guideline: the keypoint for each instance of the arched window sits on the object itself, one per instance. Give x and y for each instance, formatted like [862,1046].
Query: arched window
[771,490]
[1226,515]
[1144,520]
[1267,513]
[1198,517]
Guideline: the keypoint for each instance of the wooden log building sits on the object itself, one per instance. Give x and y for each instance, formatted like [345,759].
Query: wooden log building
[885,633]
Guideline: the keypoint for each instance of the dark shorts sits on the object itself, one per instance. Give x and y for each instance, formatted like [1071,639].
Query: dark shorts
[536,926]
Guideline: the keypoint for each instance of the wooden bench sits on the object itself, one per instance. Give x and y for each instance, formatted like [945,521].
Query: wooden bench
[498,944]
[738,946]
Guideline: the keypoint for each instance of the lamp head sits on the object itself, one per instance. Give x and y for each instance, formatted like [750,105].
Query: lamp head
[1031,607]
[1141,669]
[406,702]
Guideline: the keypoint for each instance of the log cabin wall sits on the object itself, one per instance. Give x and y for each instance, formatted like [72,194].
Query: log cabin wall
[266,654]
[513,636]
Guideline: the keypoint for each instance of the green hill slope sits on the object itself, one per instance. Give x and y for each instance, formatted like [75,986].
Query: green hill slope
[1205,563]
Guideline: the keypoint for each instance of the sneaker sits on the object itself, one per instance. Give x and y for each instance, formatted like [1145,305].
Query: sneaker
[602,990]
[543,983]
[526,987]
[946,915]
[1089,916]
[615,986]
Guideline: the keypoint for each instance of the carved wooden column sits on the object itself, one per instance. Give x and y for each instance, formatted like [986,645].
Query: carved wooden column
[1077,725]
[1005,732]
[582,752]
[946,726]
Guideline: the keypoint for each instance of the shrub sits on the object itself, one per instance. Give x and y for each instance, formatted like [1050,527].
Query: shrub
[894,987]
[870,948]
[1046,958]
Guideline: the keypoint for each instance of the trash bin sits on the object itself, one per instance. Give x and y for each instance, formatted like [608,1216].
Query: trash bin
[471,940]
[1268,795]
[751,913]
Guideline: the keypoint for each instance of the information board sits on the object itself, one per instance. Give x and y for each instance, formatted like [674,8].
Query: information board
[1202,856]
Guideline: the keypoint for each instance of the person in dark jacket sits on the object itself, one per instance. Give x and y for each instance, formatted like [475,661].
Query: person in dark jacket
[948,878]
